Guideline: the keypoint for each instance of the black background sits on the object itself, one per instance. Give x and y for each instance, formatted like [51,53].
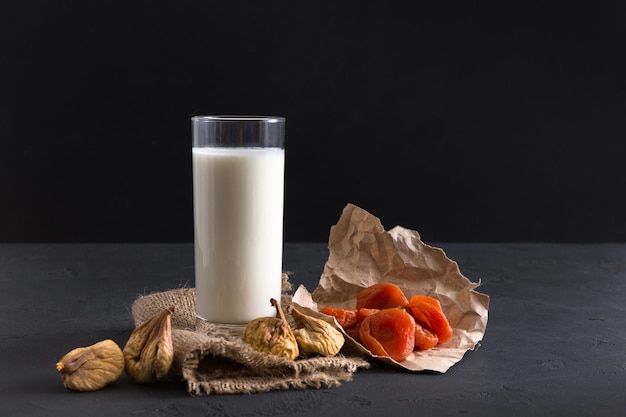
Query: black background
[467,121]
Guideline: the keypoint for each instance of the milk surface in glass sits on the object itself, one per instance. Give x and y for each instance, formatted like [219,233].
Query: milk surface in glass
[238,238]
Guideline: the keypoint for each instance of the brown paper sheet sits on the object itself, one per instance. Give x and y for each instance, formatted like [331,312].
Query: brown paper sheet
[362,253]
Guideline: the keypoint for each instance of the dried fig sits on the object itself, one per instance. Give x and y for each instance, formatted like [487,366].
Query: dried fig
[272,335]
[149,352]
[93,367]
[315,335]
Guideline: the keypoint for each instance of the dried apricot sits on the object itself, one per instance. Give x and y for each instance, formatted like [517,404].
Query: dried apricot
[364,312]
[389,332]
[388,324]
[346,317]
[424,338]
[427,311]
[381,295]
[350,318]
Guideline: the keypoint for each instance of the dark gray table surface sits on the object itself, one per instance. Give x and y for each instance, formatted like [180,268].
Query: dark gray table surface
[555,342]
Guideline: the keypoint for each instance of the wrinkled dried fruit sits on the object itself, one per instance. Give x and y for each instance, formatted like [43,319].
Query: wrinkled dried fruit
[351,319]
[428,312]
[149,352]
[93,367]
[316,336]
[272,335]
[424,338]
[381,295]
[389,332]
[347,318]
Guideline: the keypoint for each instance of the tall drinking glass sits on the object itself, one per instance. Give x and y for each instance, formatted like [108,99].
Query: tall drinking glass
[238,182]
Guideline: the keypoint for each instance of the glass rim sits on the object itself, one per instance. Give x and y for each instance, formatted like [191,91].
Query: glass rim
[238,118]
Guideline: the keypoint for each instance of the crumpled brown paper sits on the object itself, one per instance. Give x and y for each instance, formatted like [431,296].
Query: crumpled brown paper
[362,253]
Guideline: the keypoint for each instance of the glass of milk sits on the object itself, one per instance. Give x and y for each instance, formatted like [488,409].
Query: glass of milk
[238,183]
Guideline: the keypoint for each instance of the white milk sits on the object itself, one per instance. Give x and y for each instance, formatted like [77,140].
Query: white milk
[238,228]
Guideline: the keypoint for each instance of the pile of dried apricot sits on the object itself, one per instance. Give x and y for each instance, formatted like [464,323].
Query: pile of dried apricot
[389,324]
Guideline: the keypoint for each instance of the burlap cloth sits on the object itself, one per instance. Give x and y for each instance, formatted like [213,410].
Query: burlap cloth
[215,362]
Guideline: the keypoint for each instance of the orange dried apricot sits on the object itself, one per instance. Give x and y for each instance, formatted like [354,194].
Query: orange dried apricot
[364,312]
[381,295]
[347,318]
[389,332]
[388,324]
[424,338]
[354,331]
[427,311]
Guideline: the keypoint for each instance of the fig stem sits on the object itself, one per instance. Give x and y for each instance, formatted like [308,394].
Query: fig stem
[279,310]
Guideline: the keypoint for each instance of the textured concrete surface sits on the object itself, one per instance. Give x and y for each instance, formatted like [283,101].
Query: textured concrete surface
[554,343]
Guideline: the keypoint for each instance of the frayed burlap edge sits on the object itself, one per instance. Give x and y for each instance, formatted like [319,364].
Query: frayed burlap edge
[218,366]
[225,364]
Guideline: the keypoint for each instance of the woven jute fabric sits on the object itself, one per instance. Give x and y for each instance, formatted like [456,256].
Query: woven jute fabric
[212,361]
